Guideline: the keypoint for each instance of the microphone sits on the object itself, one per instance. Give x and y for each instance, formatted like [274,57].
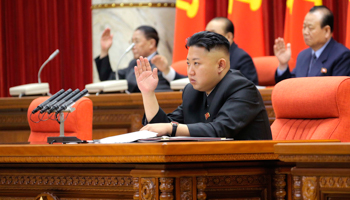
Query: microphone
[71,100]
[62,101]
[48,106]
[54,54]
[120,59]
[34,88]
[111,85]
[47,101]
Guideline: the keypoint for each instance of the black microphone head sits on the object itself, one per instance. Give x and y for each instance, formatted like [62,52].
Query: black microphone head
[48,106]
[62,101]
[72,100]
[47,101]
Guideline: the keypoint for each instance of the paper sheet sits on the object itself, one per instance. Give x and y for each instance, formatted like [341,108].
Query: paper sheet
[128,137]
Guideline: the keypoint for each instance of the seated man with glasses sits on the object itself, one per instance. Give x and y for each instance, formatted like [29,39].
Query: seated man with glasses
[146,42]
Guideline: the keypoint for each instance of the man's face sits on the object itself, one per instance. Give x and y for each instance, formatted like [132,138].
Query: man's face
[217,26]
[143,47]
[202,68]
[315,36]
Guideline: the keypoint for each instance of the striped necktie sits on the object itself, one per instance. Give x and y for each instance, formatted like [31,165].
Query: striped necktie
[312,61]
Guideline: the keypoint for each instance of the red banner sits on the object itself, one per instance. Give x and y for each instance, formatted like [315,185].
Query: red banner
[190,18]
[247,18]
[347,42]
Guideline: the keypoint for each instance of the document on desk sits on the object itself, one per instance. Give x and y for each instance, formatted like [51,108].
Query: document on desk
[127,137]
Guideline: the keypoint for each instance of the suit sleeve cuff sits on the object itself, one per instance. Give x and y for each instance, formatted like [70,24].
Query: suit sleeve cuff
[170,76]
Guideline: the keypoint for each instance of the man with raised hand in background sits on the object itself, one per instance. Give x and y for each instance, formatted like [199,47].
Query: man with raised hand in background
[146,41]
[325,57]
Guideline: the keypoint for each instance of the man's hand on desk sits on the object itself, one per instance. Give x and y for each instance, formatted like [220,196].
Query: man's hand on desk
[161,128]
[165,129]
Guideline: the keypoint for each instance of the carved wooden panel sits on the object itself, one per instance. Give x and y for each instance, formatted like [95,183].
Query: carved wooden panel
[148,188]
[136,188]
[186,188]
[296,187]
[166,188]
[201,185]
[46,196]
[315,158]
[237,180]
[335,182]
[74,182]
[309,188]
[279,182]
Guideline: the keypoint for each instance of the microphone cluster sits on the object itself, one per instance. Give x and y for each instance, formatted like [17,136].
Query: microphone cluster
[60,101]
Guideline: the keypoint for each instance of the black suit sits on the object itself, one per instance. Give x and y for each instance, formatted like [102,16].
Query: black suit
[241,60]
[333,61]
[105,73]
[235,107]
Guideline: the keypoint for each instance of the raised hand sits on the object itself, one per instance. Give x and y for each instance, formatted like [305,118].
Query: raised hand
[282,52]
[106,42]
[161,63]
[147,80]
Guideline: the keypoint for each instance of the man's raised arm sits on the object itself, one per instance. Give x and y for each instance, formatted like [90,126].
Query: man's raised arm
[147,81]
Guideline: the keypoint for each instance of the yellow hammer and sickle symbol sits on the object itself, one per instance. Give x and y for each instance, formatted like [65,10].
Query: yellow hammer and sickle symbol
[191,9]
[254,5]
[290,4]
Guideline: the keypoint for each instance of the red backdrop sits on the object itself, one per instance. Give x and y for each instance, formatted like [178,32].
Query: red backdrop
[30,30]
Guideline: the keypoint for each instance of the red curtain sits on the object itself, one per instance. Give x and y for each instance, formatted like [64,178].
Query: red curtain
[31,30]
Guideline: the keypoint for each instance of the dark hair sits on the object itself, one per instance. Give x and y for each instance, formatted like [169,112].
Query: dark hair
[229,27]
[208,40]
[328,18]
[150,33]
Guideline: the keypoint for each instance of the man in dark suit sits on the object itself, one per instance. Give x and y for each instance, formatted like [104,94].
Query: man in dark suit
[239,59]
[325,57]
[218,102]
[146,40]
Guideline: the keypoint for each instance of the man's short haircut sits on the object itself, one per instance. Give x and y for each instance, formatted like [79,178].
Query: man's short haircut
[209,40]
[229,27]
[328,18]
[150,33]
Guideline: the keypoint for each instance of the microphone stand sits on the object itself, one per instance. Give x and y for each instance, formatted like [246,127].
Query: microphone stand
[48,60]
[121,58]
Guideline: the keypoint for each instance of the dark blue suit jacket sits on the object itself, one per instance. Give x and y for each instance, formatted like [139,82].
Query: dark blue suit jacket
[333,61]
[241,60]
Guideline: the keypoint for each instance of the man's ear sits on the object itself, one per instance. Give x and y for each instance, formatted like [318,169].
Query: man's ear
[152,43]
[222,64]
[229,36]
[327,30]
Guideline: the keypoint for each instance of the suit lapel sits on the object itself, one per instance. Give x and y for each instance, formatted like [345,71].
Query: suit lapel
[318,65]
[305,62]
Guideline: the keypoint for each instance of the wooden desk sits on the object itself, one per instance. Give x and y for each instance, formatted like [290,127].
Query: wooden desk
[113,113]
[322,170]
[184,170]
